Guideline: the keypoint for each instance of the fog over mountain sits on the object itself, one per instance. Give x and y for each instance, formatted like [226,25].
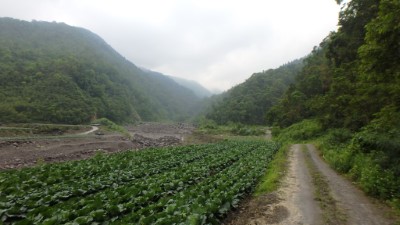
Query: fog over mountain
[216,43]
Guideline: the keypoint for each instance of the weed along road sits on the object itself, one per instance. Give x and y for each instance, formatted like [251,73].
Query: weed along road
[312,193]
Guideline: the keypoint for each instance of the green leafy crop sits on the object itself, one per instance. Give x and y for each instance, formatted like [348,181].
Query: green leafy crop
[195,184]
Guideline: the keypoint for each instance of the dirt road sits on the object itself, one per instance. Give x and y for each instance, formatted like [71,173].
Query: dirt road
[94,128]
[312,193]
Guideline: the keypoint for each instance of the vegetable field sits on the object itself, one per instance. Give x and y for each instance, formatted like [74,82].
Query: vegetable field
[189,184]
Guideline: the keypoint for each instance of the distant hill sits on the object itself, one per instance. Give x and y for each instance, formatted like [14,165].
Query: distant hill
[197,88]
[53,72]
[249,101]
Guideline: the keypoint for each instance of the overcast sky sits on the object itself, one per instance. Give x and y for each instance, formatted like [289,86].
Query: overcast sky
[218,43]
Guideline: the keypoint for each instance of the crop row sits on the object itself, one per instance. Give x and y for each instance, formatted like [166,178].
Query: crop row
[161,186]
[27,193]
[209,200]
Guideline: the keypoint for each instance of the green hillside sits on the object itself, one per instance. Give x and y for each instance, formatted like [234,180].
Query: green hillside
[52,72]
[346,99]
[353,78]
[348,96]
[248,102]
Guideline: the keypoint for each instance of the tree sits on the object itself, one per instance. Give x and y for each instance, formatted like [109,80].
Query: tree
[380,57]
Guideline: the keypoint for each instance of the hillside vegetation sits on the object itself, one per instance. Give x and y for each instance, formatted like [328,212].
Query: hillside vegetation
[52,72]
[248,102]
[350,89]
[346,98]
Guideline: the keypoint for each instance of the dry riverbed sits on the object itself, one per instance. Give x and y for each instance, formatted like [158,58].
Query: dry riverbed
[23,152]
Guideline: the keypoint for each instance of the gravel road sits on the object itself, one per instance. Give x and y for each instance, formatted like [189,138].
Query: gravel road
[298,203]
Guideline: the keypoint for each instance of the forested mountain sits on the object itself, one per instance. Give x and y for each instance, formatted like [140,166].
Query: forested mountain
[248,102]
[52,72]
[198,89]
[347,95]
[349,81]
[353,77]
[350,88]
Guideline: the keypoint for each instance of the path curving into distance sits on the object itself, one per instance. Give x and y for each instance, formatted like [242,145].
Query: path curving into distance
[94,128]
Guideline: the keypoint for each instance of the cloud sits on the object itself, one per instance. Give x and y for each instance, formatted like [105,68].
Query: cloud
[218,43]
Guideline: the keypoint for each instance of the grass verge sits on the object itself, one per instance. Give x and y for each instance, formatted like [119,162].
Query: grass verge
[275,171]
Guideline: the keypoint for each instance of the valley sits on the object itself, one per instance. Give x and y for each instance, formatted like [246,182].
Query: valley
[89,137]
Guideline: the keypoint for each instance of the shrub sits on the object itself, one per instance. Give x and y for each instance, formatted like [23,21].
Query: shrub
[109,125]
[242,130]
[304,130]
[338,136]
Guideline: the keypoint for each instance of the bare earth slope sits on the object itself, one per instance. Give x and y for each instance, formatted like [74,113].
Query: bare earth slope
[298,202]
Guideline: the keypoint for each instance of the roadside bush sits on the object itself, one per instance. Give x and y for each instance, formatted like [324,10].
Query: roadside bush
[53,129]
[340,158]
[242,130]
[304,130]
[364,168]
[207,124]
[338,149]
[275,131]
[370,157]
[338,136]
[379,143]
[373,179]
[382,134]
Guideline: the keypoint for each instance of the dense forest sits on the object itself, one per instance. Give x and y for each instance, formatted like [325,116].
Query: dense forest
[347,95]
[350,88]
[248,102]
[353,77]
[52,72]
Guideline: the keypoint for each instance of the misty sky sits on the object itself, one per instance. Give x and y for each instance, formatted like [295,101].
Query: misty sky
[218,43]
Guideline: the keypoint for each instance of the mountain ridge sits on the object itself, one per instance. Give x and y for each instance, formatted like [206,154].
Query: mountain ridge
[93,79]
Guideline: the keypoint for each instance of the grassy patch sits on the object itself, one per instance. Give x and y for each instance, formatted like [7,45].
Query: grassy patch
[299,132]
[241,138]
[232,129]
[109,125]
[36,130]
[275,171]
[211,132]
[201,138]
